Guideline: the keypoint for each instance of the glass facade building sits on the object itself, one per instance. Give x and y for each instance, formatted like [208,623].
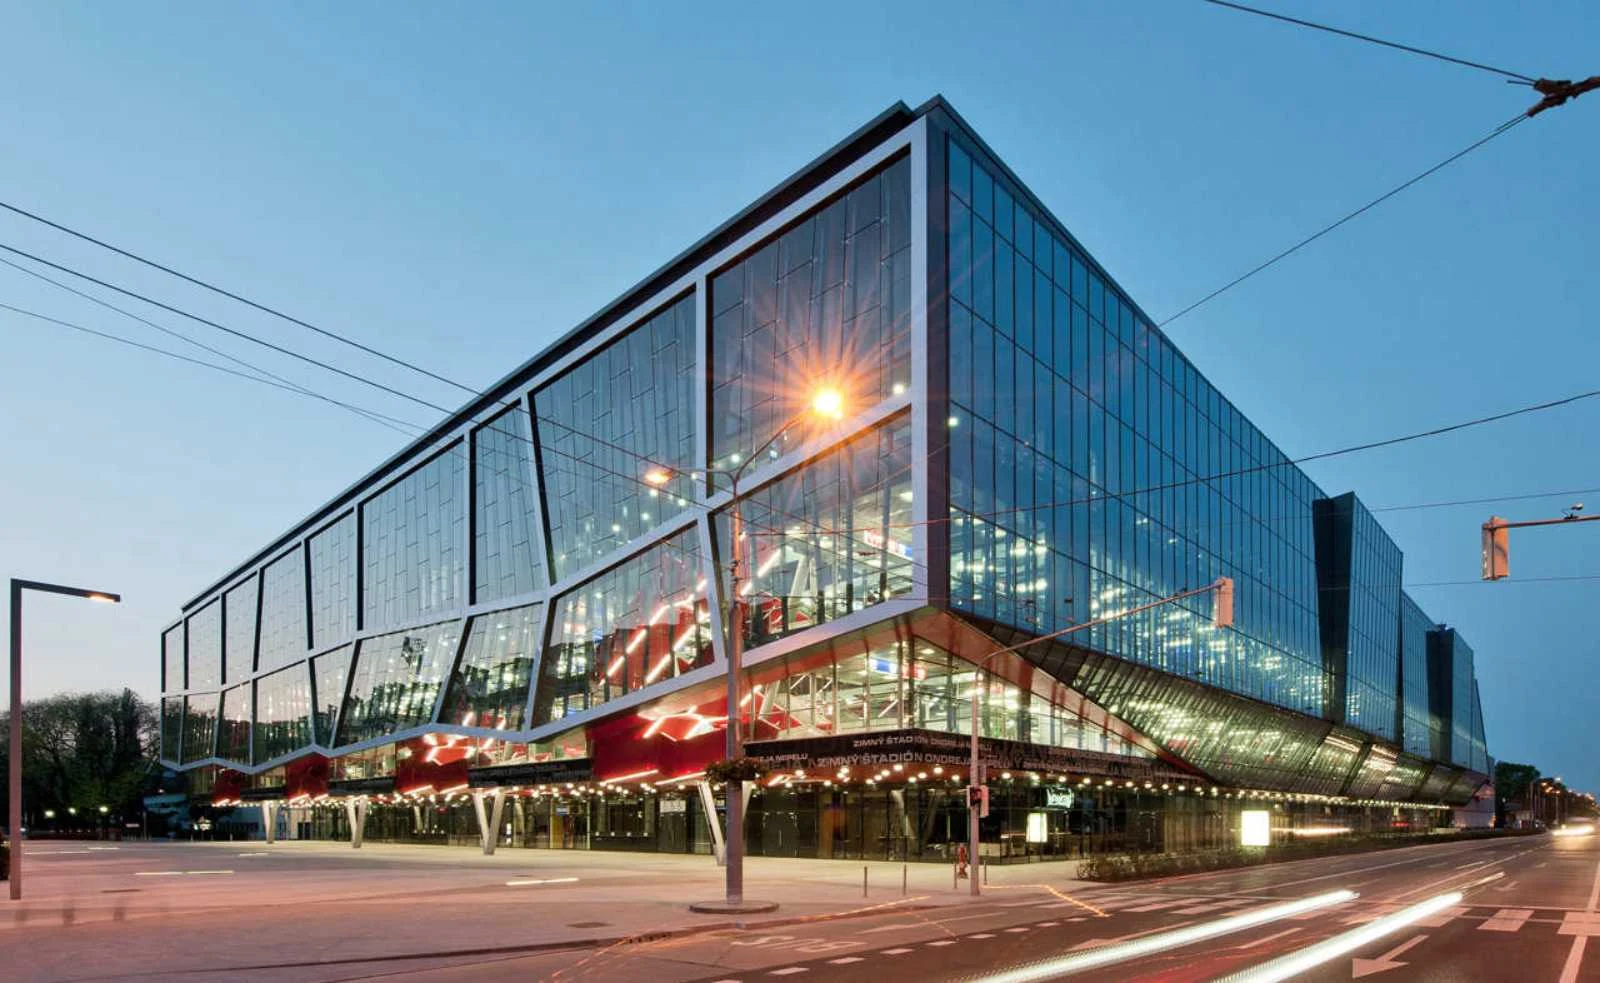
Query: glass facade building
[531,600]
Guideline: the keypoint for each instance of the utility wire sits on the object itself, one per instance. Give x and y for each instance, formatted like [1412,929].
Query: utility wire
[1308,240]
[233,296]
[1372,40]
[224,328]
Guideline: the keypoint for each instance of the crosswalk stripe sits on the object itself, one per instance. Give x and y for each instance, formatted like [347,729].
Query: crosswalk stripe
[1507,920]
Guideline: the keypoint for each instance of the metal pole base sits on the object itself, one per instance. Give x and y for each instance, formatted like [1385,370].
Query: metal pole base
[722,906]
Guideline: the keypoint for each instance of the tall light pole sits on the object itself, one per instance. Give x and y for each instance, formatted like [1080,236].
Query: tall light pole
[1221,616]
[14,812]
[827,403]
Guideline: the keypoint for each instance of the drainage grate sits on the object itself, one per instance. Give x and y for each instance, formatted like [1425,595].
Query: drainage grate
[587,924]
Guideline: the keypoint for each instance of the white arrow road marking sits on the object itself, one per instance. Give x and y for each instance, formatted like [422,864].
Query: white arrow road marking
[1366,967]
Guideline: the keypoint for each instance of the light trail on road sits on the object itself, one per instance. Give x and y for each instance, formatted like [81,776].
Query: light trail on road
[1296,963]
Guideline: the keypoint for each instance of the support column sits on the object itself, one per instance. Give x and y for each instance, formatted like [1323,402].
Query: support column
[709,802]
[489,815]
[496,815]
[485,832]
[355,809]
[269,816]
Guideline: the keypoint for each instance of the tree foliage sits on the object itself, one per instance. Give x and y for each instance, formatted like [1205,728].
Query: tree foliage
[1511,782]
[83,751]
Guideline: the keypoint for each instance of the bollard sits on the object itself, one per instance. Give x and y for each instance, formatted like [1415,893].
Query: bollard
[902,880]
[955,878]
[863,880]
[986,871]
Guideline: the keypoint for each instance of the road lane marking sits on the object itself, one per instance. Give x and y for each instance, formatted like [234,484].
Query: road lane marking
[1475,863]
[542,880]
[1019,928]
[1569,971]
[982,935]
[1295,963]
[1048,924]
[1507,920]
[896,952]
[1107,952]
[1269,938]
[844,960]
[788,971]
[1157,906]
[1206,909]
[1443,918]
[1508,885]
[938,942]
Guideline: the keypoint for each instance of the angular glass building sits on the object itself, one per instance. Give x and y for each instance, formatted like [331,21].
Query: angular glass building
[513,630]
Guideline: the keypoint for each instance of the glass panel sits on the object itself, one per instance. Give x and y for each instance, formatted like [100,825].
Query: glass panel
[233,731]
[826,303]
[283,611]
[412,540]
[831,538]
[205,646]
[171,727]
[396,681]
[283,707]
[172,660]
[332,671]
[199,726]
[622,413]
[506,559]
[333,583]
[639,623]
[490,685]
[239,627]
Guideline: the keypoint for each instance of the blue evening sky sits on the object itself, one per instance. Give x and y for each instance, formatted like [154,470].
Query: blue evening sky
[459,184]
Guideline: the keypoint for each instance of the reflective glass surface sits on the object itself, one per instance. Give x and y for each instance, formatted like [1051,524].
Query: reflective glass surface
[332,672]
[644,621]
[283,611]
[621,413]
[825,303]
[283,708]
[199,726]
[333,583]
[506,560]
[205,646]
[172,660]
[233,730]
[829,538]
[1374,662]
[239,629]
[1461,690]
[412,540]
[1079,439]
[489,687]
[1418,723]
[171,727]
[396,681]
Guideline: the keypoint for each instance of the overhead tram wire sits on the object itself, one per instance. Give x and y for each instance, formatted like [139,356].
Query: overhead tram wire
[1515,76]
[1308,240]
[281,381]
[196,281]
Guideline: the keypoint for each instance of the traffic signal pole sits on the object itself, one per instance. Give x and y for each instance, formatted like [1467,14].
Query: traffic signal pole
[1497,540]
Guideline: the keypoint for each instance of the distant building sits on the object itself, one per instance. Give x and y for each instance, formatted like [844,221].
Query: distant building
[521,607]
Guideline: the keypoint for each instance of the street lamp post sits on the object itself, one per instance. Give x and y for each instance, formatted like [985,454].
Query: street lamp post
[825,403]
[14,812]
[1222,616]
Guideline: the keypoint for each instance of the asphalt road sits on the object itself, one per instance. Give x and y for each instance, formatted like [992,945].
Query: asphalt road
[1529,907]
[319,913]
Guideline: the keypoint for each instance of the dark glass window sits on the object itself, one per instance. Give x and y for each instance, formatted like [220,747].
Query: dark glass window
[489,687]
[172,660]
[605,425]
[204,629]
[233,731]
[412,539]
[644,621]
[283,611]
[239,629]
[826,303]
[171,727]
[506,560]
[199,726]
[396,681]
[333,583]
[331,671]
[283,712]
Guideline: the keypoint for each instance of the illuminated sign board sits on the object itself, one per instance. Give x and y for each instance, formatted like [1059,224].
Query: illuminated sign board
[1058,798]
[1255,827]
[1038,827]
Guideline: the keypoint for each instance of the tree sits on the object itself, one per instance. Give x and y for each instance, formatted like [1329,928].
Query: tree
[1511,783]
[82,751]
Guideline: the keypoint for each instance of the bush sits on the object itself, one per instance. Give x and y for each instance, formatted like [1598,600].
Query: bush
[1140,866]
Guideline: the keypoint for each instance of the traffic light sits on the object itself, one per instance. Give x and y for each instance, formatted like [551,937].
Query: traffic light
[1496,549]
[978,798]
[1222,603]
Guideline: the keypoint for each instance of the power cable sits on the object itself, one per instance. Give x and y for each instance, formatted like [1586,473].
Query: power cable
[1308,240]
[1518,76]
[233,296]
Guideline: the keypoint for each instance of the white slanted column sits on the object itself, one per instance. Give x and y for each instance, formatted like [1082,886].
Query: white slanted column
[709,801]
[269,820]
[355,809]
[488,806]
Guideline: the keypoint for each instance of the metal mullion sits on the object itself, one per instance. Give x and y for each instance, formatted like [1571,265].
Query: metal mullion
[536,671]
[455,660]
